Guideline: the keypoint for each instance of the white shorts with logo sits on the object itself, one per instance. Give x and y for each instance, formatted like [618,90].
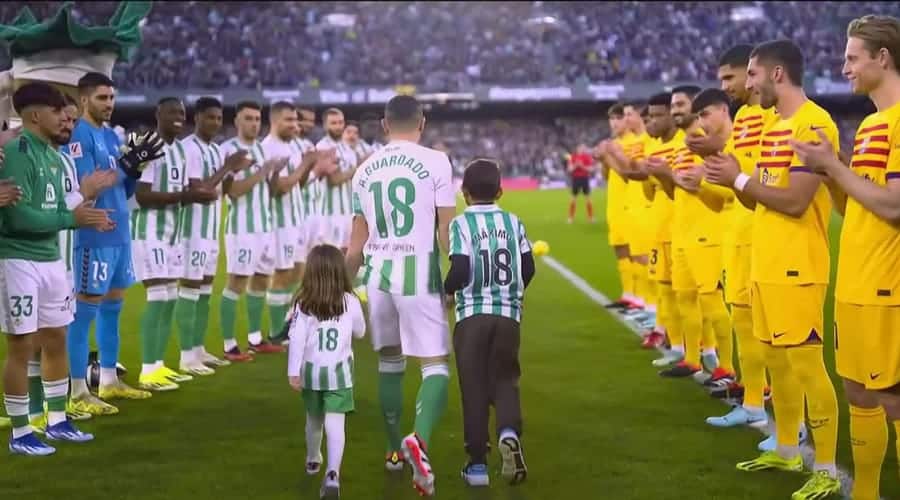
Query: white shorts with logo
[201,258]
[34,295]
[287,247]
[418,323]
[153,259]
[249,254]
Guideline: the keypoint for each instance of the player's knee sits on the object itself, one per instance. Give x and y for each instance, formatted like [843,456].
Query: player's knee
[53,341]
[858,396]
[111,305]
[237,284]
[260,282]
[191,283]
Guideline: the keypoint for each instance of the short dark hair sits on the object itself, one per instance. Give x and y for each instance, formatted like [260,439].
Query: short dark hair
[616,110]
[37,94]
[481,179]
[368,116]
[205,103]
[403,111]
[661,99]
[70,101]
[305,110]
[737,56]
[247,105]
[352,123]
[637,104]
[280,106]
[782,52]
[708,97]
[688,90]
[90,81]
[168,100]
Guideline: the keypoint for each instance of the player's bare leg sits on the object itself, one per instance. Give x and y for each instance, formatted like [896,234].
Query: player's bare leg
[228,316]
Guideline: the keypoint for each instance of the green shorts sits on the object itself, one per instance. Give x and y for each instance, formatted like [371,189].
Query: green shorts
[322,402]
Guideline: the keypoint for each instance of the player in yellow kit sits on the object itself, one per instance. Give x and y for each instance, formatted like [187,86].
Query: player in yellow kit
[789,264]
[867,306]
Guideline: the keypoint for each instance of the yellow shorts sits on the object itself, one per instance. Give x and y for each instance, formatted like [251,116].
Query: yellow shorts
[641,241]
[617,234]
[736,265]
[867,344]
[787,315]
[698,268]
[660,260]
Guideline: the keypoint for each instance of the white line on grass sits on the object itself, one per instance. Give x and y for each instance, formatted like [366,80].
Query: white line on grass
[598,297]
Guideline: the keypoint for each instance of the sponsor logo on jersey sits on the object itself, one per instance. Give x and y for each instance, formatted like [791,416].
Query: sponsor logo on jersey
[75,150]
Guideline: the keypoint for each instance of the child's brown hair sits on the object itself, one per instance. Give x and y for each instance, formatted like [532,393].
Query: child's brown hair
[325,282]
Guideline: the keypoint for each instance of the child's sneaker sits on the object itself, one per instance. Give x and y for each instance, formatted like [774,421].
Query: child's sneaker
[476,474]
[313,468]
[513,470]
[331,488]
[394,462]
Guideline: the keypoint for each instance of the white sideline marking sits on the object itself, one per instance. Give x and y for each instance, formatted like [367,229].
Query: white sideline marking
[595,295]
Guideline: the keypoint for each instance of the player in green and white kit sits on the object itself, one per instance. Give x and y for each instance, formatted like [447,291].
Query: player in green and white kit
[206,166]
[311,192]
[157,248]
[249,232]
[337,207]
[404,199]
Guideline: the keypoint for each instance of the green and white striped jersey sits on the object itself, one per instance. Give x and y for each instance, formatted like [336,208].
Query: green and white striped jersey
[73,199]
[337,198]
[311,194]
[204,159]
[251,213]
[165,175]
[398,190]
[322,350]
[494,241]
[286,208]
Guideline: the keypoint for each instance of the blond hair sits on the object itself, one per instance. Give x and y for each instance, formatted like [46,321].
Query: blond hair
[878,32]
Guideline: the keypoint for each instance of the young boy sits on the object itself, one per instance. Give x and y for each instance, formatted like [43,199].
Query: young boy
[490,267]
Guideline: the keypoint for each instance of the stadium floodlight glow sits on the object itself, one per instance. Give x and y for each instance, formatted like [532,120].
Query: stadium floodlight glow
[340,20]
[747,13]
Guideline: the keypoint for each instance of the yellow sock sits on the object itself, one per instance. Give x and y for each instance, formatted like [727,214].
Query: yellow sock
[715,315]
[869,439]
[897,436]
[787,397]
[691,324]
[808,366]
[750,357]
[640,282]
[624,266]
[651,295]
[668,315]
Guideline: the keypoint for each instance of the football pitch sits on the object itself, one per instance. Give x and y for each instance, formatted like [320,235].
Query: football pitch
[599,422]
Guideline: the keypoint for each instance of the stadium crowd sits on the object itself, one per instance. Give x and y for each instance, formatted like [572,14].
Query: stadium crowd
[346,43]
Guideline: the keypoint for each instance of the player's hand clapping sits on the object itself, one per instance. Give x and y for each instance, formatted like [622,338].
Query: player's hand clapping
[689,179]
[97,181]
[704,145]
[140,150]
[273,166]
[200,193]
[722,169]
[10,193]
[817,156]
[238,161]
[95,218]
[658,167]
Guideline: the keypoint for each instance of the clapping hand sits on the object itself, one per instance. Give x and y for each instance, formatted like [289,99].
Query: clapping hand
[722,169]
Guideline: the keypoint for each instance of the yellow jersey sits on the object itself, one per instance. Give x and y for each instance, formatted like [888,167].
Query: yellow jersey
[790,250]
[616,188]
[693,224]
[868,271]
[749,124]
[661,210]
[634,146]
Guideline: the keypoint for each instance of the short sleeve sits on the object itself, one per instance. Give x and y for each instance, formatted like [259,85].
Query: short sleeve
[459,240]
[893,162]
[194,161]
[150,172]
[807,132]
[445,193]
[524,244]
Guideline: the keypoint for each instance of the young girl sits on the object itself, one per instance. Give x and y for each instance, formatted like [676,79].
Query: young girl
[326,317]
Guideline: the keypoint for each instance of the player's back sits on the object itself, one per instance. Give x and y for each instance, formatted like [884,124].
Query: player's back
[398,190]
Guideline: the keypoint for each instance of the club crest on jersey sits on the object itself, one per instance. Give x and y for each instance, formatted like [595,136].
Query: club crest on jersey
[743,133]
[49,202]
[75,150]
[865,144]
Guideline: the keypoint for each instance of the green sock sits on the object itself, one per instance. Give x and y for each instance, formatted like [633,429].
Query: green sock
[201,319]
[228,313]
[56,392]
[185,317]
[150,322]
[390,393]
[278,307]
[165,328]
[256,302]
[431,401]
[35,389]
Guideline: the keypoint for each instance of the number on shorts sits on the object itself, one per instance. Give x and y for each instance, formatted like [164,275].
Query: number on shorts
[401,194]
[21,305]
[100,270]
[328,339]
[174,174]
[198,259]
[244,256]
[496,270]
[654,256]
[289,251]
[159,256]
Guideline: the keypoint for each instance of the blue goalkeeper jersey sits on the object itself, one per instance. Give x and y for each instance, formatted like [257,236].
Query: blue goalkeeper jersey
[97,148]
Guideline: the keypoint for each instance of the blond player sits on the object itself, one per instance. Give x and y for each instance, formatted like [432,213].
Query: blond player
[867,306]
[788,287]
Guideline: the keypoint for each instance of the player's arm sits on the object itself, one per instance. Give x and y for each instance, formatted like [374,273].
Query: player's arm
[239,187]
[791,201]
[649,188]
[528,268]
[339,177]
[281,185]
[460,264]
[21,217]
[445,202]
[297,345]
[661,171]
[147,197]
[359,235]
[359,319]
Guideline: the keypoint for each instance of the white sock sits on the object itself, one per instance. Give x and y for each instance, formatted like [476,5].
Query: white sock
[159,364]
[17,406]
[254,337]
[230,344]
[508,433]
[56,389]
[334,434]
[678,348]
[148,368]
[198,352]
[830,468]
[709,352]
[108,377]
[187,357]
[314,429]
[79,388]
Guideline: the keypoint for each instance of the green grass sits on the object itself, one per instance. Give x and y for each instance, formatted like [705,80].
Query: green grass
[599,422]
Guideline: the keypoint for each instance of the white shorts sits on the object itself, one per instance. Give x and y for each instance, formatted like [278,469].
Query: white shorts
[336,230]
[313,232]
[34,295]
[418,324]
[201,258]
[154,259]
[249,254]
[286,247]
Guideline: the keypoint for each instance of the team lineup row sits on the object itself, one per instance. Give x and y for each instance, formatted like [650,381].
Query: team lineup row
[708,211]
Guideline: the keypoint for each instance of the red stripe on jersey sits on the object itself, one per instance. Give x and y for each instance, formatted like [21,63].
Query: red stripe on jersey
[779,133]
[661,153]
[872,151]
[869,163]
[873,128]
[871,138]
[753,126]
[780,152]
[747,144]
[773,164]
[749,135]
[774,144]
[748,118]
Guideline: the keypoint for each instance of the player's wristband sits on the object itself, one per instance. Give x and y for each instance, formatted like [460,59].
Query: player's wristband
[741,181]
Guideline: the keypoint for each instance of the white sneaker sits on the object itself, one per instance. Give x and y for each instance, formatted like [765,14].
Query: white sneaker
[423,476]
[196,368]
[331,488]
[208,359]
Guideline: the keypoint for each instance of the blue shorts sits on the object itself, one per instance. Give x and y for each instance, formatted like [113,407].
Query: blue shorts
[99,270]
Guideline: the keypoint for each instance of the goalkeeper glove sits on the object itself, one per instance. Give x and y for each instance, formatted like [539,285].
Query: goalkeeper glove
[140,150]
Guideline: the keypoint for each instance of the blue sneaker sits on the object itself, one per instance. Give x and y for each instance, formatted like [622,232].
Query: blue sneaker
[476,475]
[771,442]
[740,416]
[65,431]
[30,445]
